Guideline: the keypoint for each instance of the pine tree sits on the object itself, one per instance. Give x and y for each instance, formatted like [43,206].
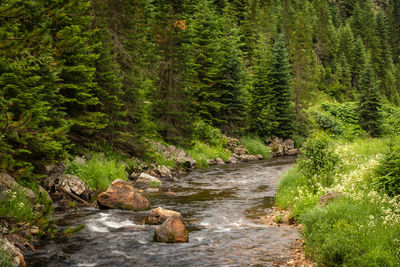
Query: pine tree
[369,101]
[280,82]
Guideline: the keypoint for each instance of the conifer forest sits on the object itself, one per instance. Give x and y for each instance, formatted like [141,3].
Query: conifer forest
[98,96]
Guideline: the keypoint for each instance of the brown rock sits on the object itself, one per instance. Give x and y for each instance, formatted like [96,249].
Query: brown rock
[171,231]
[121,195]
[291,152]
[160,215]
[260,157]
[16,255]
[288,144]
[246,158]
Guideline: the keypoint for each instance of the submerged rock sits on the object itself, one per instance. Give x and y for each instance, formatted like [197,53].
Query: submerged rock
[121,195]
[160,215]
[171,231]
[146,181]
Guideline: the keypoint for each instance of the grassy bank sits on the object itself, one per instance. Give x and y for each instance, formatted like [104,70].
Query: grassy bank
[362,226]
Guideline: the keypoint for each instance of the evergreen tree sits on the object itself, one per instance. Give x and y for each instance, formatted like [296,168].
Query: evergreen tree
[369,102]
[280,82]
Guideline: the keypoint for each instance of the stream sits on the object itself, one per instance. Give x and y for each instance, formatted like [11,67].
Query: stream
[221,206]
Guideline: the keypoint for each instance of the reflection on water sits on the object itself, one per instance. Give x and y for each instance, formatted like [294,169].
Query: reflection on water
[221,207]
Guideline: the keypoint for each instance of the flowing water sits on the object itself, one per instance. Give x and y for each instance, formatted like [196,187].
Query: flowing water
[221,206]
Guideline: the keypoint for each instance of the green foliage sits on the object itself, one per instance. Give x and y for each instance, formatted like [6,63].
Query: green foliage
[73,230]
[208,134]
[202,153]
[390,120]
[388,172]
[319,159]
[98,173]
[255,146]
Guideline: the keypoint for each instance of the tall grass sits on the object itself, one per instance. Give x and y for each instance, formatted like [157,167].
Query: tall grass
[255,146]
[98,173]
[202,153]
[362,228]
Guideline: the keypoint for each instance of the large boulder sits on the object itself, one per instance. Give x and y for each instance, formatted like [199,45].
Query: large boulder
[16,257]
[171,231]
[121,195]
[146,181]
[8,183]
[58,180]
[160,215]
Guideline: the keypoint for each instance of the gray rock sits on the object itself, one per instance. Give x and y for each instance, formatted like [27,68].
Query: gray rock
[219,161]
[259,157]
[241,150]
[232,160]
[164,172]
[245,158]
[146,181]
[288,144]
[74,185]
[291,152]
[211,162]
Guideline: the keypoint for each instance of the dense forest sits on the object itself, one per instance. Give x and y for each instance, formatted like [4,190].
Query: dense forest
[85,74]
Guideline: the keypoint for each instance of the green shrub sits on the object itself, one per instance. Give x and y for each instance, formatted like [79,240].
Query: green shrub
[388,172]
[208,134]
[319,159]
[255,146]
[390,120]
[202,153]
[98,173]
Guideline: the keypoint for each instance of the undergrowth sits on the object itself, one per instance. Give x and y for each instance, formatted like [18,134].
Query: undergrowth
[255,146]
[202,152]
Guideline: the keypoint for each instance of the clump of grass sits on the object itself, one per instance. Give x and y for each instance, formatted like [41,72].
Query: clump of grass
[6,259]
[98,173]
[154,184]
[255,146]
[202,153]
[16,205]
[278,218]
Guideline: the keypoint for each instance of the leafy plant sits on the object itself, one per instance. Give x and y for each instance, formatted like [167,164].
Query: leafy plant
[388,172]
[208,134]
[98,173]
[202,153]
[255,146]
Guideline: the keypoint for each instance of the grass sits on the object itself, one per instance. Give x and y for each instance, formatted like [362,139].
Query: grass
[98,173]
[360,229]
[16,205]
[202,153]
[255,146]
[6,259]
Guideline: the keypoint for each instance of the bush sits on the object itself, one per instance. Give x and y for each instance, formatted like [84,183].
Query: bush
[255,146]
[98,173]
[208,134]
[202,153]
[388,172]
[319,159]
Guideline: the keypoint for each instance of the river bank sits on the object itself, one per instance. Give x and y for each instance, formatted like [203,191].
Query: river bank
[340,193]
